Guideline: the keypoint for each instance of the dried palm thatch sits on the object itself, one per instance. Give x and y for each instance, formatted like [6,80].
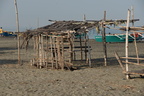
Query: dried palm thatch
[60,27]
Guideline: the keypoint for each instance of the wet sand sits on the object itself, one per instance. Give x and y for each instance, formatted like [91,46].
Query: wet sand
[27,80]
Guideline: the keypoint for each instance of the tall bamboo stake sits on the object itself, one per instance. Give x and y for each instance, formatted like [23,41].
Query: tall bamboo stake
[126,42]
[17,24]
[104,41]
[135,43]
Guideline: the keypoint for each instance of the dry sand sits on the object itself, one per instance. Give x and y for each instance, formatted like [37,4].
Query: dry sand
[26,80]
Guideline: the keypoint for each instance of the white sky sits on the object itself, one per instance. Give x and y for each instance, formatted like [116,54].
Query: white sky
[30,11]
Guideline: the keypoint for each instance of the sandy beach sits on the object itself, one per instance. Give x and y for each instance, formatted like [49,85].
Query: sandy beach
[100,80]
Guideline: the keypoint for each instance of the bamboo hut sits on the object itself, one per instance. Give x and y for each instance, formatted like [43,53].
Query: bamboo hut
[54,44]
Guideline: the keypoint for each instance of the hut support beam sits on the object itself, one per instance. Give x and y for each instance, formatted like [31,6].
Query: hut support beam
[126,46]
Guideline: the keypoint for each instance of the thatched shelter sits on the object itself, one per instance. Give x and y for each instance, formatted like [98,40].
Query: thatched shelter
[54,44]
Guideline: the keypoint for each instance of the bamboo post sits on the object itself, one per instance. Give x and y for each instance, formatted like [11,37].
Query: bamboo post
[43,53]
[59,52]
[135,43]
[136,48]
[126,42]
[71,47]
[62,52]
[55,51]
[18,39]
[81,47]
[40,51]
[37,43]
[73,44]
[104,40]
[85,41]
[89,52]
[47,51]
[69,50]
[52,55]
[70,41]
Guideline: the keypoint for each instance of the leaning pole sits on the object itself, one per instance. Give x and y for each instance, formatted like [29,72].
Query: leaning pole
[17,30]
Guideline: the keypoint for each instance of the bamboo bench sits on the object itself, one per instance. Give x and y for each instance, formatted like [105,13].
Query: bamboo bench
[134,72]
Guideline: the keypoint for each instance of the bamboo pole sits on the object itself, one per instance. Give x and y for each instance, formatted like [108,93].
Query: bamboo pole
[18,39]
[47,50]
[59,53]
[71,46]
[55,51]
[104,40]
[43,53]
[52,54]
[40,51]
[126,42]
[62,51]
[89,51]
[37,43]
[85,41]
[81,47]
[135,43]
[136,48]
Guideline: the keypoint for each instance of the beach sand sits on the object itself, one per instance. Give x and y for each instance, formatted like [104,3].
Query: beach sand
[100,80]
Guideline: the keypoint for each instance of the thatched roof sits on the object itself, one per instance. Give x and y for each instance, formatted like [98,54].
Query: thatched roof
[61,26]
[76,26]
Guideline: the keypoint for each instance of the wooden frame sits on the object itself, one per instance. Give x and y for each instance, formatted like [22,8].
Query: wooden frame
[128,73]
[56,50]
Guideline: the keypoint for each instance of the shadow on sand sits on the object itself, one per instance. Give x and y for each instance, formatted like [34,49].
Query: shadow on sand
[5,61]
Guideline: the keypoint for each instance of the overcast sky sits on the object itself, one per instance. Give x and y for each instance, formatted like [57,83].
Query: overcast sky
[32,11]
